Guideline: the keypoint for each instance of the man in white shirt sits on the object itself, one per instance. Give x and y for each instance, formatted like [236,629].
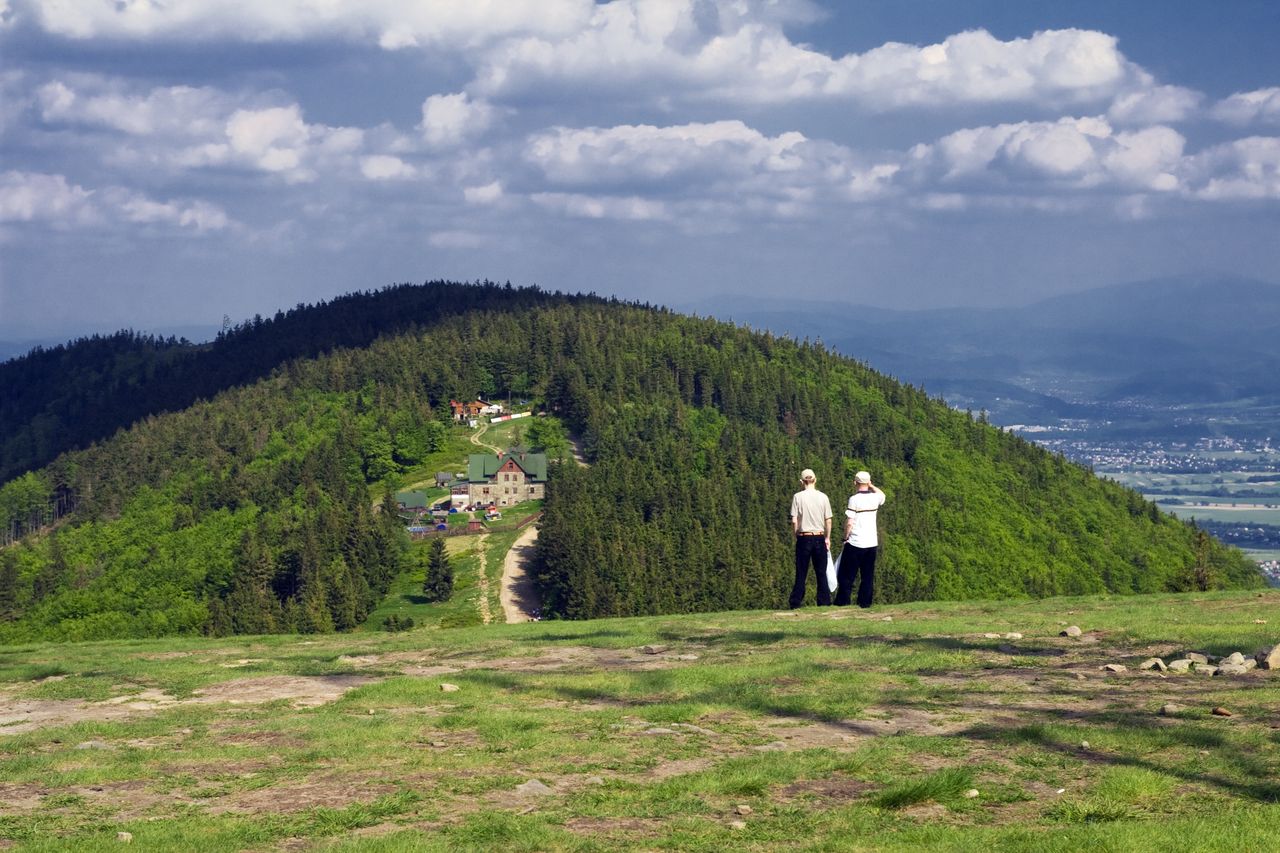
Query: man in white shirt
[811,524]
[861,542]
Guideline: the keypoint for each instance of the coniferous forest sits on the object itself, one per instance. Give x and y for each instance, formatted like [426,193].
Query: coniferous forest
[227,488]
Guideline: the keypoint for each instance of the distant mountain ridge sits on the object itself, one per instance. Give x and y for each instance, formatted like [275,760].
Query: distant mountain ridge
[1180,340]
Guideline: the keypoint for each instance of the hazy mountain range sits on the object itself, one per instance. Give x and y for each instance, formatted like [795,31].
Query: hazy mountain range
[1173,342]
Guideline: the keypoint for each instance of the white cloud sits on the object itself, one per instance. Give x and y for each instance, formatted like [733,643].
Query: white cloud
[390,23]
[696,49]
[97,102]
[29,197]
[626,44]
[582,206]
[697,152]
[452,119]
[486,194]
[1071,153]
[37,197]
[1260,105]
[1155,105]
[1240,170]
[384,167]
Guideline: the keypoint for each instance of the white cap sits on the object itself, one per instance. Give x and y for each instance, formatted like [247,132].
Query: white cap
[807,476]
[862,477]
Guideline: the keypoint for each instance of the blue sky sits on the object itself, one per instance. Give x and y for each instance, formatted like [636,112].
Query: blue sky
[169,163]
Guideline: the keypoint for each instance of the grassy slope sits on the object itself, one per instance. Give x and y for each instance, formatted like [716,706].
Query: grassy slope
[839,730]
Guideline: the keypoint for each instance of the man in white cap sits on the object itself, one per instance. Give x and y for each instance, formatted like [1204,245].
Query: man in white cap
[861,541]
[811,524]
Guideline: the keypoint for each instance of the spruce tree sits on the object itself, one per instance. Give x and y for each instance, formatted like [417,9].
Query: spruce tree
[438,585]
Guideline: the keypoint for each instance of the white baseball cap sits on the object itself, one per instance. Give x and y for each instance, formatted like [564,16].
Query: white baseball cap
[807,474]
[862,477]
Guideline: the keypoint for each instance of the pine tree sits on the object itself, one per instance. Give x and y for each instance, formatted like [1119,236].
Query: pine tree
[438,585]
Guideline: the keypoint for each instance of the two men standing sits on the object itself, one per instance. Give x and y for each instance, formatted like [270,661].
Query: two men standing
[811,524]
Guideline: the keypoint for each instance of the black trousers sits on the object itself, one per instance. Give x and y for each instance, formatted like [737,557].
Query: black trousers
[855,562]
[810,549]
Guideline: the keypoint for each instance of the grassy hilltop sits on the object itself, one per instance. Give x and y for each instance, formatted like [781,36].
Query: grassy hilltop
[830,729]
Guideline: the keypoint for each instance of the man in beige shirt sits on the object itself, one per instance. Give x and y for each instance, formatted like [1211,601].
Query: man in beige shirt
[811,524]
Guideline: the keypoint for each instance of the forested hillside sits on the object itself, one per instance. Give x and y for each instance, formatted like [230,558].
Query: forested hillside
[65,397]
[251,511]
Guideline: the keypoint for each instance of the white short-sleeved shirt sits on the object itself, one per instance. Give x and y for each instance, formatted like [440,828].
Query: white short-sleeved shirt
[862,509]
[811,508]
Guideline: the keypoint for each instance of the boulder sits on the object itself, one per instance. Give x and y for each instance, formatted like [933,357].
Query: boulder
[1114,667]
[1269,658]
[1180,665]
[1249,663]
[1231,669]
[1196,657]
[1204,669]
[1153,663]
[1013,635]
[742,809]
[534,788]
[1168,709]
[1071,631]
[446,687]
[1234,657]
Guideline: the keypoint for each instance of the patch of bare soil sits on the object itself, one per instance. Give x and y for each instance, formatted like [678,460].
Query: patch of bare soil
[629,827]
[834,790]
[125,799]
[328,790]
[24,715]
[301,691]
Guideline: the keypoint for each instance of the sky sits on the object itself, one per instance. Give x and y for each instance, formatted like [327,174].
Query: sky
[169,163]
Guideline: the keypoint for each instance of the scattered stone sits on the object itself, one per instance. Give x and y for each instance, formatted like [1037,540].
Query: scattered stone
[887,619]
[1071,631]
[775,746]
[534,788]
[439,744]
[1084,744]
[1180,665]
[1168,709]
[1222,712]
[1013,635]
[1204,669]
[1249,663]
[1114,667]
[446,687]
[1153,663]
[1269,658]
[971,793]
[687,657]
[124,837]
[1061,791]
[659,730]
[1196,657]
[1231,669]
[1259,621]
[371,712]
[653,650]
[94,744]
[690,727]
[742,809]
[1234,657]
[991,636]
[738,824]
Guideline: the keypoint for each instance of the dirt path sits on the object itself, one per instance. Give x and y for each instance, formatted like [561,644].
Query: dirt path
[476,436]
[482,546]
[519,596]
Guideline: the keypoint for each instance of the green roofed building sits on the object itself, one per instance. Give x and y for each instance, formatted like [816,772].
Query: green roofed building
[511,478]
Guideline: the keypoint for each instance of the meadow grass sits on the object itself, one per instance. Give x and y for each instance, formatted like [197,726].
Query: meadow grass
[830,729]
